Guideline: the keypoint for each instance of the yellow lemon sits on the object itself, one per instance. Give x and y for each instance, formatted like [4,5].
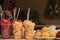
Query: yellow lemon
[45,34]
[38,33]
[44,29]
[52,33]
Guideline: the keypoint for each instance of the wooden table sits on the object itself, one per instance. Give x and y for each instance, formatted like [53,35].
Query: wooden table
[17,39]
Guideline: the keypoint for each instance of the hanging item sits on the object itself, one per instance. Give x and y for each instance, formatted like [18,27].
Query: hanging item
[9,4]
[12,4]
[53,8]
[52,11]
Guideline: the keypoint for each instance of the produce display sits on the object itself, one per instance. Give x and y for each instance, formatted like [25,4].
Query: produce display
[45,32]
[29,29]
[8,21]
[17,29]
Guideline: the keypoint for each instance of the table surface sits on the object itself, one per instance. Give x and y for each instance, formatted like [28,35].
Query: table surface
[27,39]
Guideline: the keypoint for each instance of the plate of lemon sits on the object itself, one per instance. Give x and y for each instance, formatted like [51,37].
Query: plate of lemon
[45,33]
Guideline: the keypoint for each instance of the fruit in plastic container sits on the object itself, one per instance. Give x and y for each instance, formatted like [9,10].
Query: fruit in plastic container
[17,29]
[29,29]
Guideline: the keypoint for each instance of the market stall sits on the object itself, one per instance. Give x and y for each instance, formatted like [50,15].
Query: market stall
[26,27]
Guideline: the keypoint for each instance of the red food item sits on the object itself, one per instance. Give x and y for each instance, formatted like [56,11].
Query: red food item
[7,12]
[58,34]
[5,26]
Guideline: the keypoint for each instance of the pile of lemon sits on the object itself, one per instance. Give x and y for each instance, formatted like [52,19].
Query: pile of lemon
[45,32]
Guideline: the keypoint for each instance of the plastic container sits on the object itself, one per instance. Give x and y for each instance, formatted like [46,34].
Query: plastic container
[5,28]
[17,29]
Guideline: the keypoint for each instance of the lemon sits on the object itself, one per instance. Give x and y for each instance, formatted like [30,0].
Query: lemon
[52,33]
[44,29]
[45,34]
[38,33]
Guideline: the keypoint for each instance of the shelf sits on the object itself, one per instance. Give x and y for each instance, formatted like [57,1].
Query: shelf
[58,26]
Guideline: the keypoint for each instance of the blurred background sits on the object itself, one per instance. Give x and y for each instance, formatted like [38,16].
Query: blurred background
[43,12]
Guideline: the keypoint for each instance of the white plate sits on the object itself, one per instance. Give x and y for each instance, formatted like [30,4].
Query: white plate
[57,38]
[45,38]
